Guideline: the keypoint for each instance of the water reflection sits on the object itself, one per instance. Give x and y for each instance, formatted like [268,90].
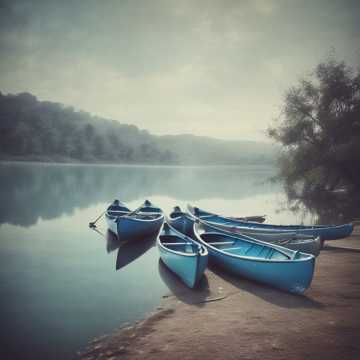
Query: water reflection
[195,296]
[32,191]
[328,207]
[112,242]
[131,250]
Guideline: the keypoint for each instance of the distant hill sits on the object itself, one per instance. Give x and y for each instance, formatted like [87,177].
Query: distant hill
[48,131]
[191,149]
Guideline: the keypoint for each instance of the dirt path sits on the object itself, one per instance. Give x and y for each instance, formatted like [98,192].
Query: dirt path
[231,318]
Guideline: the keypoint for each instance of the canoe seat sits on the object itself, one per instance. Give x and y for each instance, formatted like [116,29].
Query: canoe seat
[228,223]
[117,212]
[295,255]
[176,243]
[261,249]
[221,243]
[248,249]
[144,213]
[265,252]
[233,248]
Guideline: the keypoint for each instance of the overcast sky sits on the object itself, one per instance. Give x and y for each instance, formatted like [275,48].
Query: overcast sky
[215,68]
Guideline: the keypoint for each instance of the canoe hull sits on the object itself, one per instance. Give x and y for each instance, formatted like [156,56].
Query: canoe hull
[293,272]
[182,223]
[294,277]
[325,232]
[328,233]
[189,268]
[182,255]
[128,228]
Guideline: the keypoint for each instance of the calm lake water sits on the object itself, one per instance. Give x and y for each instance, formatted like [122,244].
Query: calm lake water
[59,282]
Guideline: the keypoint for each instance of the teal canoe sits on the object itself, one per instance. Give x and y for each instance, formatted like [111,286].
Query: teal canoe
[290,240]
[183,256]
[273,265]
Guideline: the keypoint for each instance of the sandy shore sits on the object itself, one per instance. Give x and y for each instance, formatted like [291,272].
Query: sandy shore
[232,318]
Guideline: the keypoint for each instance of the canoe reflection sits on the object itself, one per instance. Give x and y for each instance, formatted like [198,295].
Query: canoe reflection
[131,250]
[112,242]
[180,290]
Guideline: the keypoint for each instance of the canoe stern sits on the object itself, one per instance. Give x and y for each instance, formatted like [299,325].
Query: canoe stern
[189,268]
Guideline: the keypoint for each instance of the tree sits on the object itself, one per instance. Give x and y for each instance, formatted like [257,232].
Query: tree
[47,130]
[319,130]
[99,147]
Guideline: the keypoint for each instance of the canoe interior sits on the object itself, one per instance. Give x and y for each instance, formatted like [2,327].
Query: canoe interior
[176,214]
[142,216]
[176,243]
[115,210]
[150,209]
[228,222]
[210,217]
[245,248]
[261,234]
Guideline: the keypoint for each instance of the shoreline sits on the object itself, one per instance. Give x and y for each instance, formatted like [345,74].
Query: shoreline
[109,164]
[232,318]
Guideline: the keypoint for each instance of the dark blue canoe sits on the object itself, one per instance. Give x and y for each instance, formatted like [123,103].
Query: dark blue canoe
[289,239]
[128,225]
[325,232]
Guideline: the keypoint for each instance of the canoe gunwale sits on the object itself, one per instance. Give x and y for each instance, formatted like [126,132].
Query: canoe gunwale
[191,210]
[250,258]
[179,215]
[202,253]
[298,238]
[283,228]
[132,218]
[202,249]
[326,232]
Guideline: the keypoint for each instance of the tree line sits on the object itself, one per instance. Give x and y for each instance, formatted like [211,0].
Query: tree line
[51,131]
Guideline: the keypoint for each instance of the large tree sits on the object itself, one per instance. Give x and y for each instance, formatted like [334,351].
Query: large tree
[319,130]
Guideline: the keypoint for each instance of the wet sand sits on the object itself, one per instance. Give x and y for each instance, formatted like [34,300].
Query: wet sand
[232,318]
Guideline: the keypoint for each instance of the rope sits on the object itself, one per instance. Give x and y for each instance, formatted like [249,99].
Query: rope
[92,224]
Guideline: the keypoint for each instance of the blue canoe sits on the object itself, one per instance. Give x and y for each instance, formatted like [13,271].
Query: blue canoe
[273,265]
[254,218]
[325,232]
[127,225]
[181,221]
[289,239]
[186,258]
[117,208]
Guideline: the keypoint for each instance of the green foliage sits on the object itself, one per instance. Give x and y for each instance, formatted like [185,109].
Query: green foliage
[30,128]
[319,130]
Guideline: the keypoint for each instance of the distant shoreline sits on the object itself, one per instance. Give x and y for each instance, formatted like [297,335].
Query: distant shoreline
[72,162]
